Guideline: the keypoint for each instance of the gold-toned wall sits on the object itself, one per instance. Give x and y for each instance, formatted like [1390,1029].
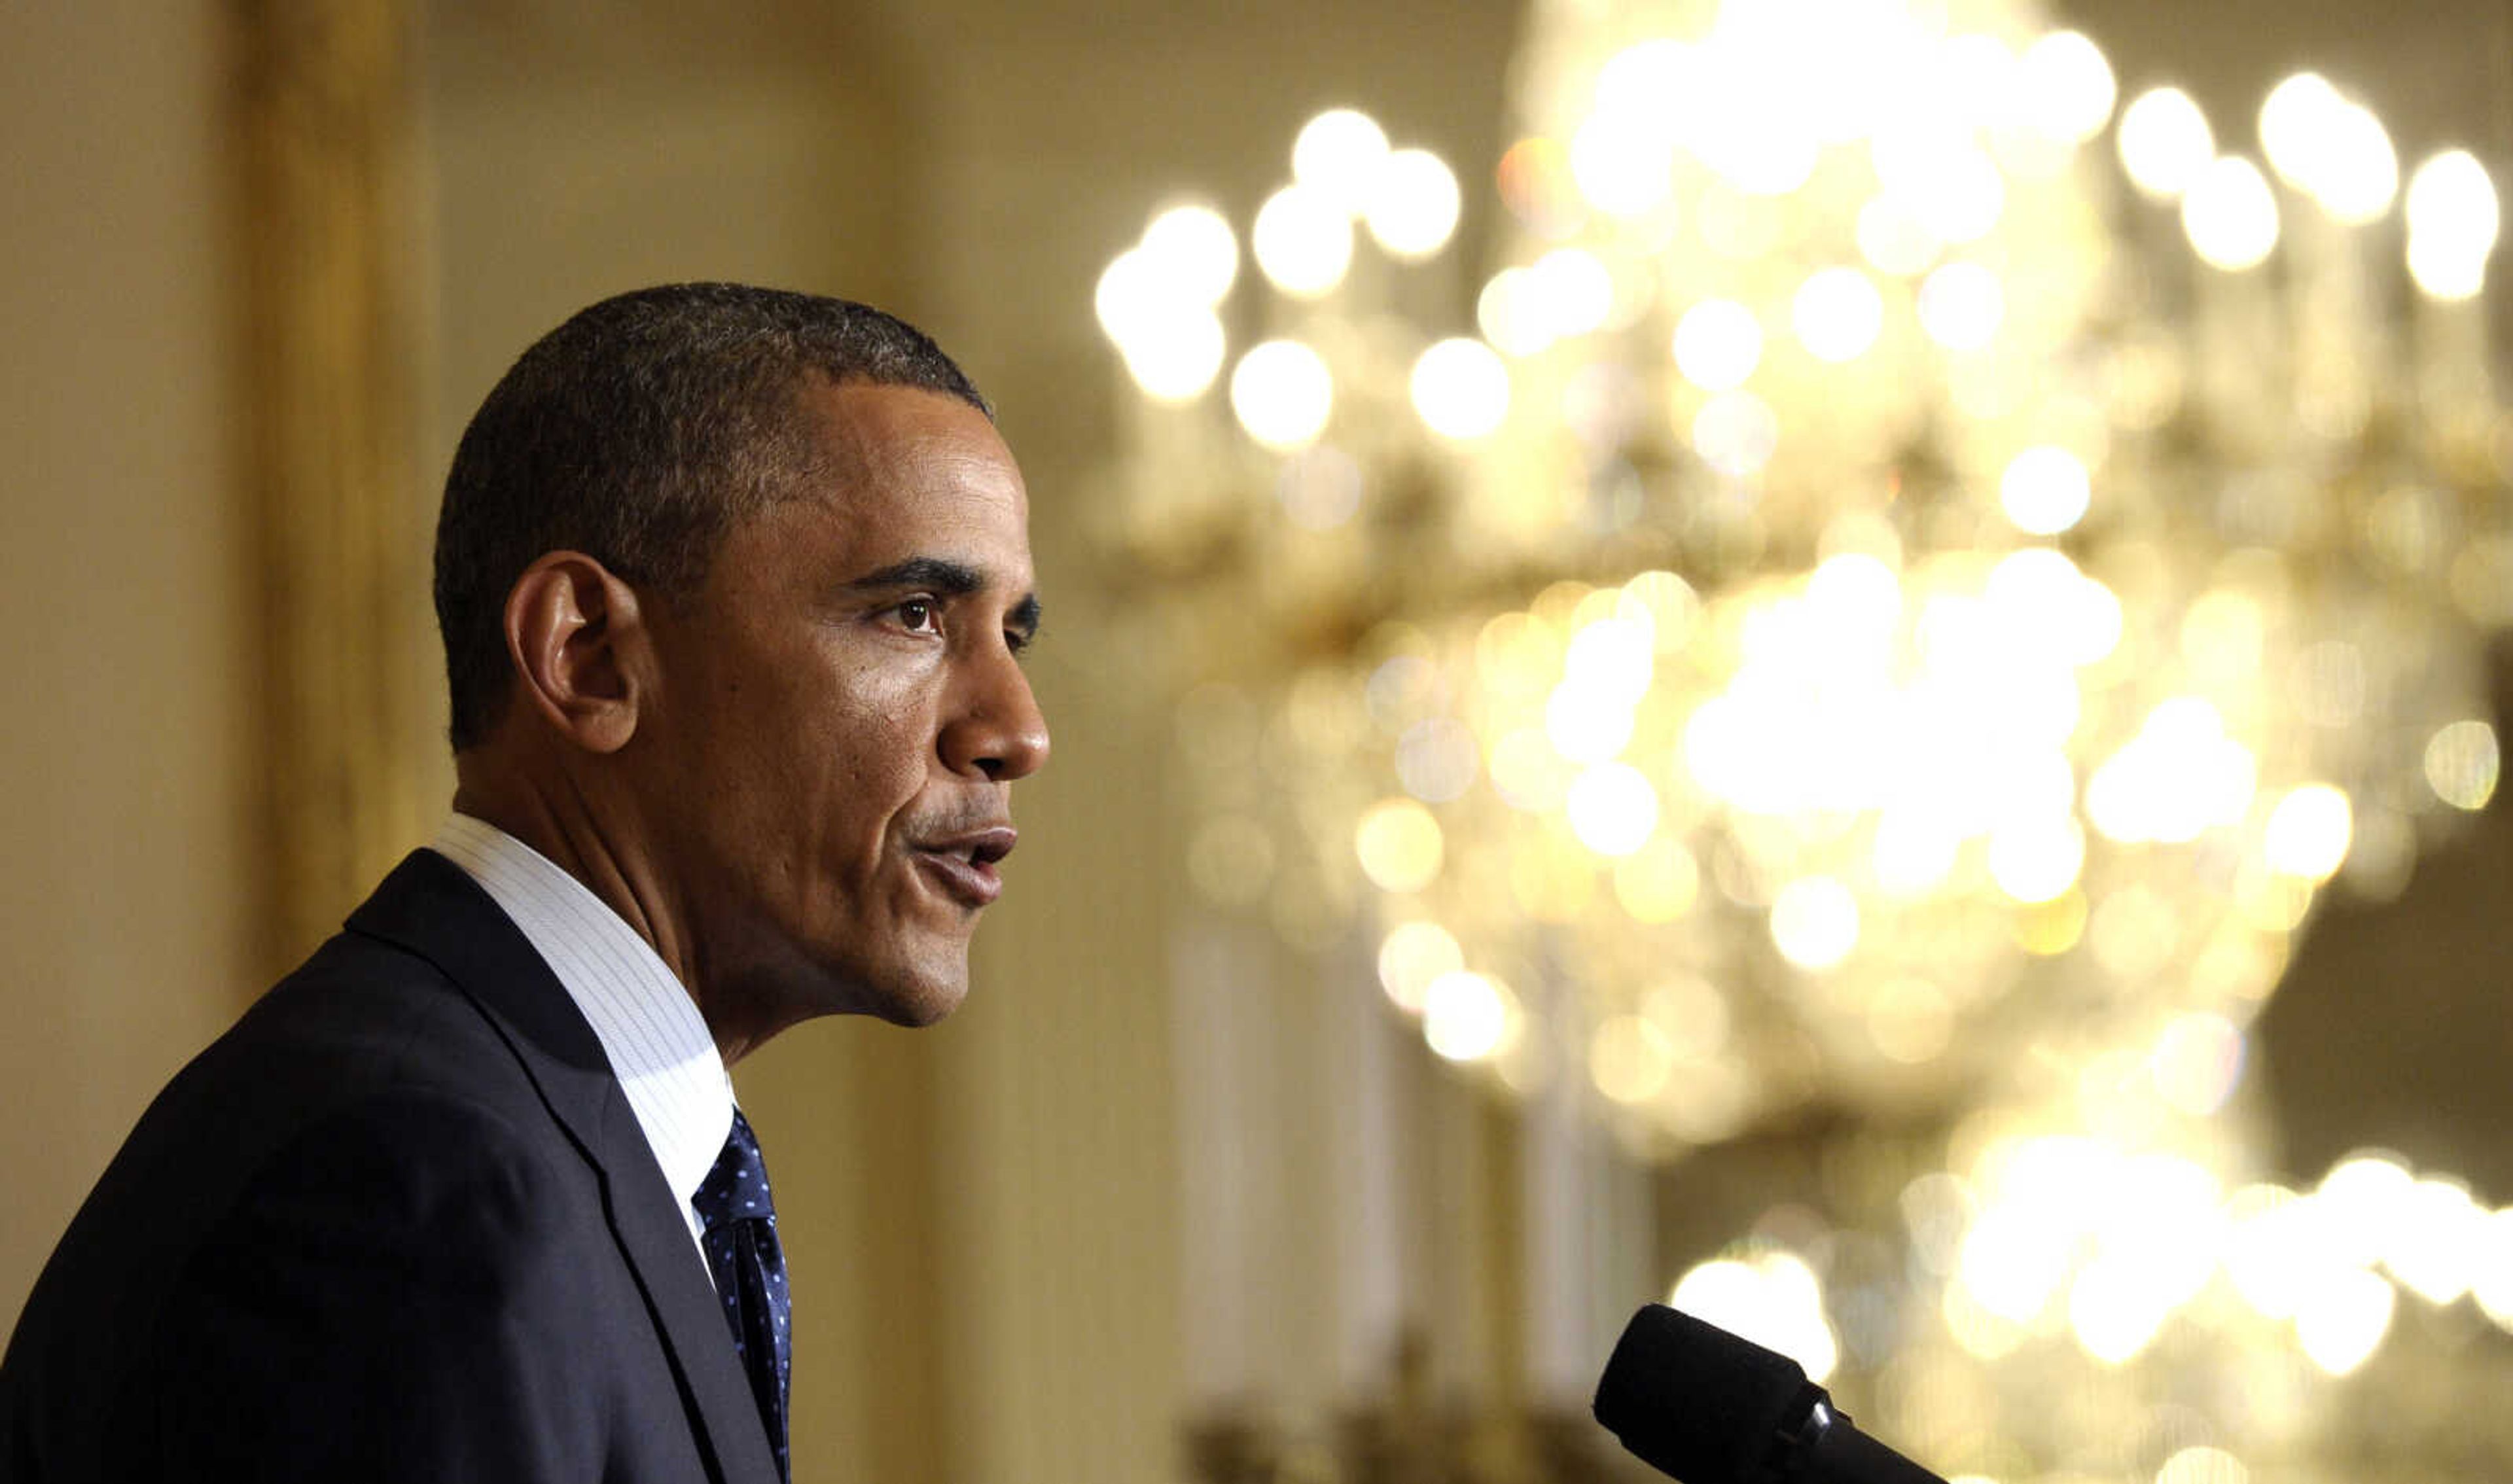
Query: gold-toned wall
[124,776]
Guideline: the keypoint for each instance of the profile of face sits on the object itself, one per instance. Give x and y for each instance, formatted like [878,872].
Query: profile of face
[838,715]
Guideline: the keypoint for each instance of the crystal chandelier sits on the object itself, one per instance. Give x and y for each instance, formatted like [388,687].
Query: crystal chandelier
[1916,582]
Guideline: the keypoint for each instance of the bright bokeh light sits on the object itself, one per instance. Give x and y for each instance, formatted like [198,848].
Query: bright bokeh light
[2046,490]
[1465,1016]
[2342,1320]
[1773,1299]
[1623,171]
[2464,763]
[2179,776]
[1461,388]
[2438,1245]
[1398,845]
[1177,360]
[1613,657]
[2362,175]
[2037,860]
[2198,1062]
[1414,204]
[1570,292]
[1895,241]
[2229,214]
[1718,342]
[1283,394]
[2308,833]
[1735,432]
[1337,154]
[2295,125]
[1192,248]
[2068,86]
[1411,956]
[2452,223]
[1509,315]
[1630,1058]
[1838,314]
[1815,922]
[2164,143]
[1613,809]
[1945,181]
[1302,241]
[1961,305]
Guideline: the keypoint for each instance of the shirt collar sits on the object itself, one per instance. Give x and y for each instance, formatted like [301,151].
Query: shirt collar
[649,1027]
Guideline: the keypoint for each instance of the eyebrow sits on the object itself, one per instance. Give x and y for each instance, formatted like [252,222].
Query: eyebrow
[947,579]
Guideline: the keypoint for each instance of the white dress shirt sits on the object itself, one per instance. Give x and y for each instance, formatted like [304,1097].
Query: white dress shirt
[650,1028]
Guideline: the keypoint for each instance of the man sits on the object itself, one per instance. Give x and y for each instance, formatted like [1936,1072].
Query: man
[732,586]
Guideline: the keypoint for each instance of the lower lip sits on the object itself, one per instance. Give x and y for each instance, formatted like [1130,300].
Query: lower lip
[970,884]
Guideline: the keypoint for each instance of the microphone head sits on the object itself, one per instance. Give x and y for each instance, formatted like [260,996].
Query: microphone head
[1694,1402]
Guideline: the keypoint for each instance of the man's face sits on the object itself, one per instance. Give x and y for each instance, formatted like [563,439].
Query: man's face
[839,713]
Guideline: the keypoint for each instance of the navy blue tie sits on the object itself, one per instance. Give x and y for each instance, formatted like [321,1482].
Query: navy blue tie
[749,1268]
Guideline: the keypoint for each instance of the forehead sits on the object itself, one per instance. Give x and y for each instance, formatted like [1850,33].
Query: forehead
[907,471]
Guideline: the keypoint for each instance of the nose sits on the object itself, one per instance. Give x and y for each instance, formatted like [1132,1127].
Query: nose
[998,733]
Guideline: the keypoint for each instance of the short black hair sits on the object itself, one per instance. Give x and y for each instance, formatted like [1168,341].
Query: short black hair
[641,432]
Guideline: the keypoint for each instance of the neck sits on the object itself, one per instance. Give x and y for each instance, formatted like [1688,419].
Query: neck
[601,848]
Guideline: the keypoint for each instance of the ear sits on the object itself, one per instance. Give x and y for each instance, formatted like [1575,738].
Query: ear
[581,648]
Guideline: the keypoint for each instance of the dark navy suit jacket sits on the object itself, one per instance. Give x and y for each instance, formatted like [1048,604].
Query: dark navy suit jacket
[398,1224]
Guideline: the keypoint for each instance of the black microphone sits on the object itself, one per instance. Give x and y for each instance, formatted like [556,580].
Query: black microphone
[1703,1406]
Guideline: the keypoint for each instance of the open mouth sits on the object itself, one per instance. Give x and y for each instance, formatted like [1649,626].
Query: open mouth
[965,864]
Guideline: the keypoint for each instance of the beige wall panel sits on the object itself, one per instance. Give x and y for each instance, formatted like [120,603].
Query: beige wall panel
[123,891]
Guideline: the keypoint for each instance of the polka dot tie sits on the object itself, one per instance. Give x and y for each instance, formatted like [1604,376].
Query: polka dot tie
[749,1267]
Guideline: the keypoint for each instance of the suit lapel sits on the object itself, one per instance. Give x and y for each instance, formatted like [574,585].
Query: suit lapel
[428,906]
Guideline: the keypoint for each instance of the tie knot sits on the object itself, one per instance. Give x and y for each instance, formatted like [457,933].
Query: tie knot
[738,1186]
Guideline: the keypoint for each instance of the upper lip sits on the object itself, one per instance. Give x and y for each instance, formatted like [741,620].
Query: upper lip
[983,846]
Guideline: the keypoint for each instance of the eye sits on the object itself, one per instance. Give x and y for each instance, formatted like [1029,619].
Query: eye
[921,615]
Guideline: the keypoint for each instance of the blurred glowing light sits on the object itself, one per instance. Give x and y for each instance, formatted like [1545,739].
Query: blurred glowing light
[1815,922]
[1194,249]
[1283,394]
[2046,490]
[1465,1016]
[1337,154]
[1961,305]
[1735,432]
[2308,832]
[2067,85]
[2342,1320]
[1718,342]
[2295,125]
[1302,241]
[1572,291]
[1838,314]
[2229,214]
[1414,204]
[1893,240]
[1623,171]
[1461,388]
[1436,759]
[2453,222]
[2437,1246]
[1398,845]
[2037,861]
[1613,809]
[1630,1058]
[2462,764]
[1177,360]
[1411,956]
[2164,143]
[1773,1300]
[1509,315]
[2197,1061]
